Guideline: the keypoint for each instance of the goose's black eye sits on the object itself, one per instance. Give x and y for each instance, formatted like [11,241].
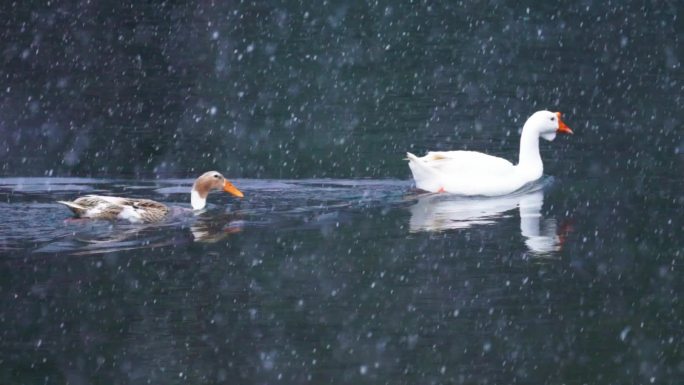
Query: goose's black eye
[552,119]
[216,176]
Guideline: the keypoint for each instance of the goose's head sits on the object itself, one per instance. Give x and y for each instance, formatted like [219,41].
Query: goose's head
[211,180]
[547,124]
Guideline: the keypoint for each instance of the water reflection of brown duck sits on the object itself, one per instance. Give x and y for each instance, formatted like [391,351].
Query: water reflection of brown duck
[145,210]
[213,228]
[206,228]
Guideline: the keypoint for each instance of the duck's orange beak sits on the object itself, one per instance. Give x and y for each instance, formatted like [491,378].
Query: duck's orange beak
[561,125]
[229,188]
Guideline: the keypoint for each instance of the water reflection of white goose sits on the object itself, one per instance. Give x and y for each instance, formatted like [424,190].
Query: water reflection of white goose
[439,212]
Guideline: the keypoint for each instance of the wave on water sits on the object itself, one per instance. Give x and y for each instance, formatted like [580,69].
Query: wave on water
[33,221]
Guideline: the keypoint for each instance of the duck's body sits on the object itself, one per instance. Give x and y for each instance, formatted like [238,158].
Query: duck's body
[111,208]
[146,210]
[475,173]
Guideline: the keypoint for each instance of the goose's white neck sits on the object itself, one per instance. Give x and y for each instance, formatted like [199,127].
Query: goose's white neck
[529,161]
[197,201]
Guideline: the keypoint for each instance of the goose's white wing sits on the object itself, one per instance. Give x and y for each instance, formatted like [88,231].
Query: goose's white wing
[460,163]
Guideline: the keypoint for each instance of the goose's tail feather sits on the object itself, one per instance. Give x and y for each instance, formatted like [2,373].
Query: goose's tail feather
[426,177]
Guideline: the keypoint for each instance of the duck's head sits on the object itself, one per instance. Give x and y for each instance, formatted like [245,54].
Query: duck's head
[211,180]
[547,124]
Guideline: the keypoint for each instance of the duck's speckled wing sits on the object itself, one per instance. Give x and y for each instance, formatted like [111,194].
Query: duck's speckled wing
[107,207]
[149,210]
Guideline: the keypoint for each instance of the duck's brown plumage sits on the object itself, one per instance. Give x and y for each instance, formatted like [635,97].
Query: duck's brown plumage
[105,207]
[145,210]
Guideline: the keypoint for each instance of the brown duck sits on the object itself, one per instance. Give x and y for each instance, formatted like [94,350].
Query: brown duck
[146,210]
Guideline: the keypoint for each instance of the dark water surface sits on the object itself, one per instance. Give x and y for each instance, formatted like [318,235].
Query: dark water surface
[343,281]
[354,279]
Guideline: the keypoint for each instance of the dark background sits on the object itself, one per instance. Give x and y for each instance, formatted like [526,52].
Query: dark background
[314,281]
[290,89]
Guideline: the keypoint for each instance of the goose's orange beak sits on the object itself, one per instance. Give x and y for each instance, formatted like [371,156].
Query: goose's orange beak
[561,125]
[229,188]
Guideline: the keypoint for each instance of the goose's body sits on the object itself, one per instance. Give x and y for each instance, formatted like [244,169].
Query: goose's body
[146,210]
[475,173]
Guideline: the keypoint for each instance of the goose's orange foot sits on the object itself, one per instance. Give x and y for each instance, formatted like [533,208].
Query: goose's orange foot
[441,190]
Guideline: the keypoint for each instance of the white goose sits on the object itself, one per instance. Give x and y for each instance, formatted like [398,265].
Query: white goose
[475,173]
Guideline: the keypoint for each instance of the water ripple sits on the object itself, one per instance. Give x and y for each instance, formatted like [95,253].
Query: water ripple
[34,222]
